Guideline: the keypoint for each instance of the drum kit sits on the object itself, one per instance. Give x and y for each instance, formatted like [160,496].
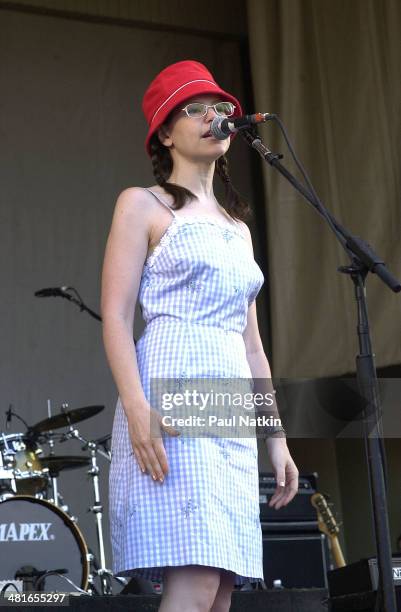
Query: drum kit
[41,543]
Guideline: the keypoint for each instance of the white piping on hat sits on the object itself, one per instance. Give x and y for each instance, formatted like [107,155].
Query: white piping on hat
[177,90]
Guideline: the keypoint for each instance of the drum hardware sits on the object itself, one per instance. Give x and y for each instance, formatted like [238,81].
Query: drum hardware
[35,472]
[104,442]
[55,498]
[99,569]
[55,464]
[5,496]
[50,440]
[9,414]
[8,488]
[65,508]
[94,571]
[21,457]
[66,418]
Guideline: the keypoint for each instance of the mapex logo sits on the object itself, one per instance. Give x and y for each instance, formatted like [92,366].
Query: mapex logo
[25,532]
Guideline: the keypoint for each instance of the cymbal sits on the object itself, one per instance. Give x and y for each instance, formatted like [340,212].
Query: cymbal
[64,419]
[57,463]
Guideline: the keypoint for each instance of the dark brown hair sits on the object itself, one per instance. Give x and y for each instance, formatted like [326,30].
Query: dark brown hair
[162,164]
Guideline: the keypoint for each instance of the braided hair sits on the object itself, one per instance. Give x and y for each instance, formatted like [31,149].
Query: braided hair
[162,165]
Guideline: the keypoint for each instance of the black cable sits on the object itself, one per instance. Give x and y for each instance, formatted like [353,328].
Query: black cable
[6,586]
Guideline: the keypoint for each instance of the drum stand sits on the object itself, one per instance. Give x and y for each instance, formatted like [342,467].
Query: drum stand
[99,569]
[50,442]
[53,475]
[6,476]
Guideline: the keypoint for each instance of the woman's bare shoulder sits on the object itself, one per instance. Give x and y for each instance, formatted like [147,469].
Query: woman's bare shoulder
[244,228]
[136,203]
[133,196]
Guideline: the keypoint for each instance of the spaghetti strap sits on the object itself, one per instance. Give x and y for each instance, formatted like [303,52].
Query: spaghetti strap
[233,221]
[157,196]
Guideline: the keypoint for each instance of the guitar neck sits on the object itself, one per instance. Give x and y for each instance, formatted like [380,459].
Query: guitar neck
[336,551]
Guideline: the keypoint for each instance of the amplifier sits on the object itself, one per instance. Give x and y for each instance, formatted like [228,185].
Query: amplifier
[290,526]
[364,602]
[299,560]
[299,510]
[360,576]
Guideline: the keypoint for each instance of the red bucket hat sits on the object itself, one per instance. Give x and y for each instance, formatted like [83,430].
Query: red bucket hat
[175,84]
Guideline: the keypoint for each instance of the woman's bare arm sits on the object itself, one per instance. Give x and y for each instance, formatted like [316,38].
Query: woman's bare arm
[285,470]
[125,253]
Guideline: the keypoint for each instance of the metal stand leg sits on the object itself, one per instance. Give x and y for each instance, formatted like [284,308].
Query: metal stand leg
[98,568]
[97,509]
[55,490]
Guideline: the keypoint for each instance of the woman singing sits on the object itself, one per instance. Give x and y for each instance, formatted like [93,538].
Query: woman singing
[185,509]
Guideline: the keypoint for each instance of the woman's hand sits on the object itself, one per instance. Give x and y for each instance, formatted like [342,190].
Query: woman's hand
[285,471]
[144,427]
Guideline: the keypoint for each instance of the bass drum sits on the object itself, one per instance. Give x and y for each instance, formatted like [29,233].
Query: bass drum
[36,534]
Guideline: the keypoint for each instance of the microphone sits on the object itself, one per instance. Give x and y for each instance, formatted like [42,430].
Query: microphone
[222,128]
[52,291]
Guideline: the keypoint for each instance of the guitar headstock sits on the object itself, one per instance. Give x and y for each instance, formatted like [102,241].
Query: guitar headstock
[326,520]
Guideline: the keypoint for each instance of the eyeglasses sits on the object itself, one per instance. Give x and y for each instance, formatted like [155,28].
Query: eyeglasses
[197,109]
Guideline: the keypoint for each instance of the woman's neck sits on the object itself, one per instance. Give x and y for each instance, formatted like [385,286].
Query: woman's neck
[198,178]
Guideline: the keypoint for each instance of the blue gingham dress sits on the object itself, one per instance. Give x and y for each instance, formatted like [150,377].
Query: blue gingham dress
[194,294]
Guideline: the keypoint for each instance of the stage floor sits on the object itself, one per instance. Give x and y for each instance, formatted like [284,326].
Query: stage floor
[285,600]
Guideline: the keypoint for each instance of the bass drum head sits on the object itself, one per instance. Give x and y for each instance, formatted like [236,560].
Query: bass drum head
[34,532]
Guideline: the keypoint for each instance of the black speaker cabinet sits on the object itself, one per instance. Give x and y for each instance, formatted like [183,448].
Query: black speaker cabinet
[299,560]
[363,602]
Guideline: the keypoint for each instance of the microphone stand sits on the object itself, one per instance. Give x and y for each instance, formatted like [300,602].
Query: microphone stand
[363,260]
[79,301]
[64,294]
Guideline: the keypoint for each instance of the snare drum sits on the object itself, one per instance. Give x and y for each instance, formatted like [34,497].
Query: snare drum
[35,533]
[21,456]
